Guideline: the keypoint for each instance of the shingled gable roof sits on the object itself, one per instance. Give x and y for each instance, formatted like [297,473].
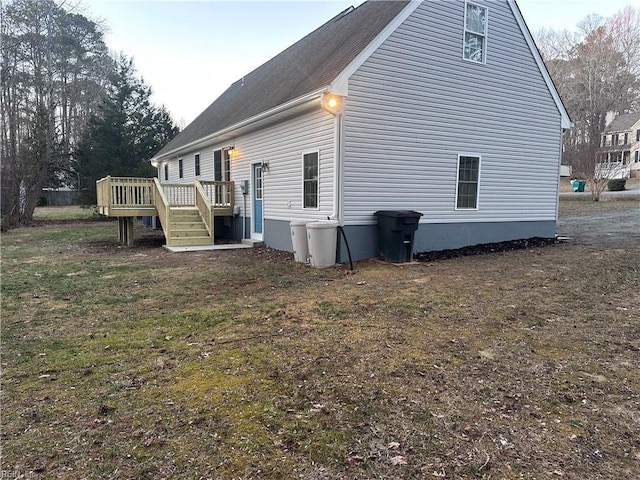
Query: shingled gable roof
[305,67]
[623,122]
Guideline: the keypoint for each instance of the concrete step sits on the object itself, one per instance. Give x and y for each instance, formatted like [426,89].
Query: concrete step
[253,243]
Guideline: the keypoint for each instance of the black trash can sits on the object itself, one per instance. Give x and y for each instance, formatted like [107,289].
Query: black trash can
[396,229]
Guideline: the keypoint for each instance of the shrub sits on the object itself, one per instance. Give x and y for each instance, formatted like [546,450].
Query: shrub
[616,184]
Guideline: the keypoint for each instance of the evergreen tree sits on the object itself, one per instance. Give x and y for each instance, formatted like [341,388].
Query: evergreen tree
[124,134]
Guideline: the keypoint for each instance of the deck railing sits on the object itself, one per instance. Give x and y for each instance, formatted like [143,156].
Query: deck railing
[125,196]
[124,193]
[163,208]
[204,207]
[180,194]
[220,193]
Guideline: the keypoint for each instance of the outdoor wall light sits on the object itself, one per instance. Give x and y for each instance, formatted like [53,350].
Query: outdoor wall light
[231,150]
[332,103]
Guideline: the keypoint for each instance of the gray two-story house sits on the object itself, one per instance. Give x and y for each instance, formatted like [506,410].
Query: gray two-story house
[444,108]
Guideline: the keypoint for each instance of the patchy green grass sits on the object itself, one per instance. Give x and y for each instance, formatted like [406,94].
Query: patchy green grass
[65,212]
[139,363]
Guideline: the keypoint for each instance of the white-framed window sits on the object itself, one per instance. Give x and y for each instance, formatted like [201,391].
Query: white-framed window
[166,172]
[474,45]
[467,186]
[180,169]
[196,163]
[310,176]
[637,135]
[637,159]
[226,166]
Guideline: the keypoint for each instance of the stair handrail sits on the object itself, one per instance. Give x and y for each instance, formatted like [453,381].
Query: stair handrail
[162,206]
[203,204]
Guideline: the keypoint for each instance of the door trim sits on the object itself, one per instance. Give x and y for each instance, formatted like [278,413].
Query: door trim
[256,235]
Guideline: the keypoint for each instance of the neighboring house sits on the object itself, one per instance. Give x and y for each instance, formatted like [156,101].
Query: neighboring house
[444,108]
[620,146]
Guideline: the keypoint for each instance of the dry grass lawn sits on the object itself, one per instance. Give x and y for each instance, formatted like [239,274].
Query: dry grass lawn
[139,363]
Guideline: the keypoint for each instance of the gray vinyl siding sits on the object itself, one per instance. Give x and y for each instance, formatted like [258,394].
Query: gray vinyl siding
[188,159]
[415,104]
[282,146]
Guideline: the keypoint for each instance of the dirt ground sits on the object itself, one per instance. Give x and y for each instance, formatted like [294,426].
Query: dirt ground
[140,363]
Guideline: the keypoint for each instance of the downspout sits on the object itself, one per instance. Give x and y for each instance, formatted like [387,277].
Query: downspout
[337,174]
[334,105]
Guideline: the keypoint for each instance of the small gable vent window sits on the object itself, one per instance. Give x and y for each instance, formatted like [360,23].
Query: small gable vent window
[475,33]
[468,180]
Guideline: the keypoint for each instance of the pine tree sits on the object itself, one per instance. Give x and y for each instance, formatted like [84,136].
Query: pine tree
[124,134]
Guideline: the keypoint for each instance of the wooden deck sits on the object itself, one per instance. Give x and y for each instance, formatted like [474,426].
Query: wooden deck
[201,202]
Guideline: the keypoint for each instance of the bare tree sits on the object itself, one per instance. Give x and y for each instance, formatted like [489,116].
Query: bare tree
[54,70]
[596,71]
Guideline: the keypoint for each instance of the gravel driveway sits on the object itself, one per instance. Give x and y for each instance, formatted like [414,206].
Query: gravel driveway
[610,222]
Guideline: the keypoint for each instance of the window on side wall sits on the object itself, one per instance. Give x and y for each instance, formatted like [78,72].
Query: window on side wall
[226,174]
[475,33]
[180,169]
[166,172]
[310,180]
[196,161]
[468,182]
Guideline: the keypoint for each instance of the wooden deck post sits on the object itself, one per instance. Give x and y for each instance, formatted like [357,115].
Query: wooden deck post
[125,231]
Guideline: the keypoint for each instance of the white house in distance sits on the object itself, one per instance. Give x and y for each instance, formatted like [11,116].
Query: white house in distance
[444,108]
[620,146]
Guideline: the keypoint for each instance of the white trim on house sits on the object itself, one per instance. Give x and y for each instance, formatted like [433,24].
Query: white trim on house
[566,120]
[340,84]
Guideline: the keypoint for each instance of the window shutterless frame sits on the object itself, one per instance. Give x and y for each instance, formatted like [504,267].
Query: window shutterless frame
[180,168]
[196,164]
[166,172]
[468,181]
[474,36]
[311,180]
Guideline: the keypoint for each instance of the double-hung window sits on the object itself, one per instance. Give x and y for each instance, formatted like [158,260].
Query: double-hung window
[310,180]
[475,33]
[196,161]
[468,182]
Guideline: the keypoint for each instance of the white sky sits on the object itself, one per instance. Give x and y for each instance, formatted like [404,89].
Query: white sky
[189,52]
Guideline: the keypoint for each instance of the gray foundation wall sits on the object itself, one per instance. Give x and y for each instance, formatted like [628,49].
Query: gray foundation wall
[363,239]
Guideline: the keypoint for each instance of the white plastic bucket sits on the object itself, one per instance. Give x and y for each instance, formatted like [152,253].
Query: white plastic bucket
[322,237]
[299,241]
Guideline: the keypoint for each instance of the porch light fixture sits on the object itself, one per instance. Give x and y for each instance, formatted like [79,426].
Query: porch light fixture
[231,149]
[332,103]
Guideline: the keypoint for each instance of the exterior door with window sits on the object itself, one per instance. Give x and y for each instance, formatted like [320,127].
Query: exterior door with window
[257,194]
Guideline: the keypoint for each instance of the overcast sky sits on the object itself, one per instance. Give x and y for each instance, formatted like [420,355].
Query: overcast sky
[189,52]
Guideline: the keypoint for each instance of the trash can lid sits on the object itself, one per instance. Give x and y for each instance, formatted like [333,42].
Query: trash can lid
[323,224]
[398,213]
[298,223]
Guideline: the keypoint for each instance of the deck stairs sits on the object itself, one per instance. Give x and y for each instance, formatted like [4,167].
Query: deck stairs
[187,228]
